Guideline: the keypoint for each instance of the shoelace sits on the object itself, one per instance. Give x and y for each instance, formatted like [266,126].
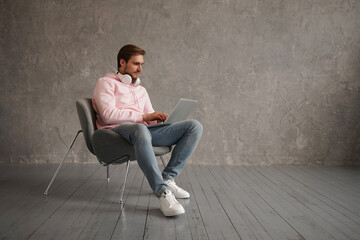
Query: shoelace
[171,198]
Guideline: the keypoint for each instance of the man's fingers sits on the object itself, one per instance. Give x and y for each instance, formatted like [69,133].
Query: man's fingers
[160,116]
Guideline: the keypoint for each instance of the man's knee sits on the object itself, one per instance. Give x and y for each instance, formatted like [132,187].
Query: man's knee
[195,126]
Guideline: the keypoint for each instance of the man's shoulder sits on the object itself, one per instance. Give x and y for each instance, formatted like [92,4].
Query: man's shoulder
[108,78]
[112,75]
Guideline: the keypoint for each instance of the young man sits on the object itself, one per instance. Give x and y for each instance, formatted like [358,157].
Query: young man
[124,106]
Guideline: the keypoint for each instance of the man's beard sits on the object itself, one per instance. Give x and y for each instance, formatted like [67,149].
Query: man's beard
[133,79]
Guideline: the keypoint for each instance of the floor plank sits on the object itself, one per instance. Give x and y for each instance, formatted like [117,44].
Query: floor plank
[211,222]
[345,176]
[249,226]
[304,220]
[226,202]
[132,221]
[64,222]
[33,211]
[296,181]
[225,225]
[238,223]
[325,188]
[195,220]
[347,187]
[104,218]
[276,226]
[338,221]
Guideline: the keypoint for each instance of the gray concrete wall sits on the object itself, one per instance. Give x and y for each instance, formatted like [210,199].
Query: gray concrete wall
[278,81]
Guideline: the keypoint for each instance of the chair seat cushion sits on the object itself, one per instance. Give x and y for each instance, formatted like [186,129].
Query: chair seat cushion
[161,150]
[110,146]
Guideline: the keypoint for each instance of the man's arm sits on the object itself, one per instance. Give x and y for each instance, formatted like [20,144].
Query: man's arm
[150,114]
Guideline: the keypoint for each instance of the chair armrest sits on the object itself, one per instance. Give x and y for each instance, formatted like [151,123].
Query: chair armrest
[110,146]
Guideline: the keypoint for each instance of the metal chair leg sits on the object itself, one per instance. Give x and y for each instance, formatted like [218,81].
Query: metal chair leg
[61,163]
[123,187]
[163,161]
[107,174]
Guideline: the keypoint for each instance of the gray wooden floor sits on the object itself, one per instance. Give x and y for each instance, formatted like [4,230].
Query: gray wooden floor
[227,202]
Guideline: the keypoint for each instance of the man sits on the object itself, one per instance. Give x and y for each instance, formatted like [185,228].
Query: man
[124,106]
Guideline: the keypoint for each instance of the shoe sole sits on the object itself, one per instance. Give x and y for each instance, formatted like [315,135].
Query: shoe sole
[175,213]
[182,197]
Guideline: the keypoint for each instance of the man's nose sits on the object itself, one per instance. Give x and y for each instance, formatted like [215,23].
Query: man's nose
[140,68]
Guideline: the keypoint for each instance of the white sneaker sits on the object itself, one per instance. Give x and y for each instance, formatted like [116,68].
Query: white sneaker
[169,206]
[178,191]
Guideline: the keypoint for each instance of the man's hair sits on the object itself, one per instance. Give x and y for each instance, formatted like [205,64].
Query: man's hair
[127,51]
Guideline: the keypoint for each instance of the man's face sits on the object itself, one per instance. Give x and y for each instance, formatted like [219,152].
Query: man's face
[133,67]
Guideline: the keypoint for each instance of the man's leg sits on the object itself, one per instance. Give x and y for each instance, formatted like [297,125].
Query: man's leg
[185,135]
[139,135]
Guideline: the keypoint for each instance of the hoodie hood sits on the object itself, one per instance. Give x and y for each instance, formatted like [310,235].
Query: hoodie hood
[116,77]
[112,75]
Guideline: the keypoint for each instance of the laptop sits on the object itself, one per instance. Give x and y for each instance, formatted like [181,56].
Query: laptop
[181,111]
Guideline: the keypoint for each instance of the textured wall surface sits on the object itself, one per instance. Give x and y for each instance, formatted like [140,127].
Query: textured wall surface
[278,81]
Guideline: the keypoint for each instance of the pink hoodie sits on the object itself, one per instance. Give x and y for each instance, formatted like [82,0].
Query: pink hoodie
[117,103]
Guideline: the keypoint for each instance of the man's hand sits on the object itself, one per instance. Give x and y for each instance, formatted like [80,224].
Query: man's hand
[156,116]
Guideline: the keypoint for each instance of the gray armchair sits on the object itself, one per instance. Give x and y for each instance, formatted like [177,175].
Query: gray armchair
[108,146]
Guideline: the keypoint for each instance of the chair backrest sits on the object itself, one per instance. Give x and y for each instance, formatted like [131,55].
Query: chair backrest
[87,117]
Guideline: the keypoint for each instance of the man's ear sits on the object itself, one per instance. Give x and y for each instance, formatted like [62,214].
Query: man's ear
[122,62]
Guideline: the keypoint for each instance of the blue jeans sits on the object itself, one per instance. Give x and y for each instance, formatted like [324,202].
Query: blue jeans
[185,135]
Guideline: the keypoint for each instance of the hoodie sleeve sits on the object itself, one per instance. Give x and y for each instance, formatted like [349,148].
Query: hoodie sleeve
[104,98]
[148,108]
